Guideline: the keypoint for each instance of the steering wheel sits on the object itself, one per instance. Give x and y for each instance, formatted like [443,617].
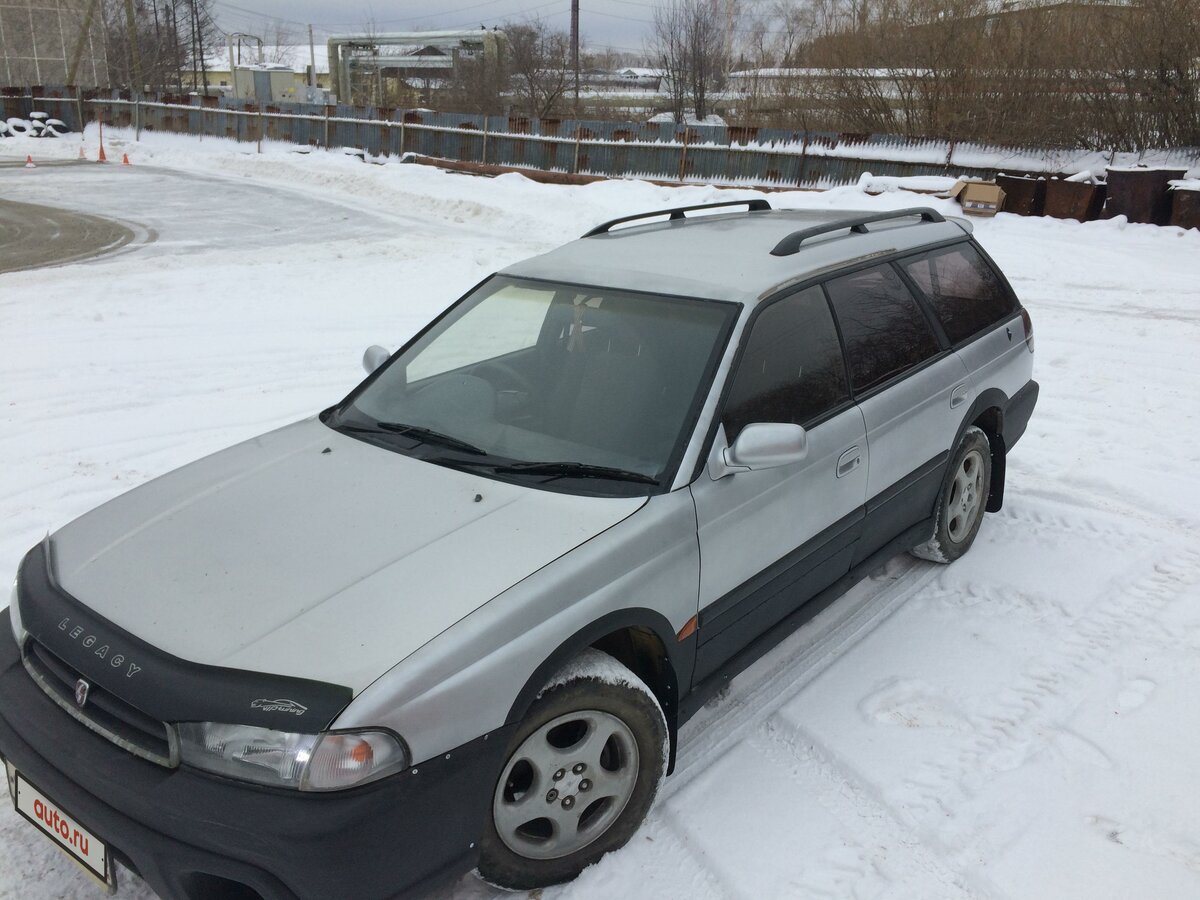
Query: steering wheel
[509,378]
[513,391]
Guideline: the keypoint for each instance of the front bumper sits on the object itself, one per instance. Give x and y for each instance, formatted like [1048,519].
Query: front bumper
[189,834]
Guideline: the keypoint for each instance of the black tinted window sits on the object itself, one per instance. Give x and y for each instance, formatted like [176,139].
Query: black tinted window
[885,330]
[964,291]
[792,370]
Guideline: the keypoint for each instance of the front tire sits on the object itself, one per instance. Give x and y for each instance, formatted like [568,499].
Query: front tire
[580,776]
[962,500]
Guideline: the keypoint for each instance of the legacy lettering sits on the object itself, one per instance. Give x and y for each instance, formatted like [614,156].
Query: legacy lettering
[118,660]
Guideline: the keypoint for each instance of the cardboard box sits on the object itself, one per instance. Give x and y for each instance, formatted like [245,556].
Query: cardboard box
[978,198]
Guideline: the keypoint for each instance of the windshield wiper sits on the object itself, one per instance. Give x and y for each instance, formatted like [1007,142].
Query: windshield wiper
[426,435]
[575,470]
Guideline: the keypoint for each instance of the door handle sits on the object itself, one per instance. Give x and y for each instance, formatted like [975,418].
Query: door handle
[959,396]
[848,461]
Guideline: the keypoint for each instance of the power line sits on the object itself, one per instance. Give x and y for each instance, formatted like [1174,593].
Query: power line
[246,18]
[526,11]
[651,22]
[452,11]
[332,26]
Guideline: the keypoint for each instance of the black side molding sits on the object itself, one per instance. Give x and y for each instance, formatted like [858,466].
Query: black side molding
[857,225]
[712,684]
[163,686]
[756,205]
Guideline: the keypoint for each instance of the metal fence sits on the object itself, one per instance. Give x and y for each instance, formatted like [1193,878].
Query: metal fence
[714,154]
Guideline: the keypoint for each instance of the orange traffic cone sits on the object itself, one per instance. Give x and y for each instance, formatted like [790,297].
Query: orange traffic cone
[29,164]
[81,154]
[102,157]
[125,159]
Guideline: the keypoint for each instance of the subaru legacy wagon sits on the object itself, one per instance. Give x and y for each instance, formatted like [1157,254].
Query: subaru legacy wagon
[457,619]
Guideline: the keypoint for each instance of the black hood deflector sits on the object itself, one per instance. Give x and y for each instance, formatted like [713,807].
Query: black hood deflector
[161,685]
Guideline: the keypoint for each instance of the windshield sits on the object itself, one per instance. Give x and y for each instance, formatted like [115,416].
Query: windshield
[552,384]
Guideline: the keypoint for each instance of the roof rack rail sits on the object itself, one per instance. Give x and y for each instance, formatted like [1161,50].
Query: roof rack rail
[756,205]
[857,225]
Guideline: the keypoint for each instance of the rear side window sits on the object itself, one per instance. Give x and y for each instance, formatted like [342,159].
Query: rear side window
[965,292]
[792,370]
[883,326]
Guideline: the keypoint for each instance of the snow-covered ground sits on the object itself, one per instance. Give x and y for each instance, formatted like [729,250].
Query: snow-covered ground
[1022,724]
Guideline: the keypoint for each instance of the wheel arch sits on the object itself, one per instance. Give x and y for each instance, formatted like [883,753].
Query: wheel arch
[987,414]
[640,639]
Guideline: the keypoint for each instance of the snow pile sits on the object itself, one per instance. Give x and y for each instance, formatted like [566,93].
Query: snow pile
[878,184]
[1019,724]
[690,119]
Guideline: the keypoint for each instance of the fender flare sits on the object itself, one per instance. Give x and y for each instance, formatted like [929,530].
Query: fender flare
[679,661]
[991,398]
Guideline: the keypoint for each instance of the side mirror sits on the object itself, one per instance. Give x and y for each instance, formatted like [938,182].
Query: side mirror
[374,357]
[767,445]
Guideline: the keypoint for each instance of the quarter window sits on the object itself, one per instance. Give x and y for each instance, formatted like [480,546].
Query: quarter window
[885,330]
[965,292]
[792,370]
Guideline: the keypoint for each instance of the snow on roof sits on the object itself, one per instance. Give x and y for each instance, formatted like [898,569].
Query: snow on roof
[416,37]
[821,73]
[1145,168]
[290,56]
[710,119]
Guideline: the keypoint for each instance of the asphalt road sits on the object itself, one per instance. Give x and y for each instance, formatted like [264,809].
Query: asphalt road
[33,236]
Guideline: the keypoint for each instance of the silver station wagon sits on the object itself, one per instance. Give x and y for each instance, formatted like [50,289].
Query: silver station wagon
[457,619]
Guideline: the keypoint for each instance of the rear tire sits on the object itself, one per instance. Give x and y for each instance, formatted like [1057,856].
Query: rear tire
[579,778]
[961,501]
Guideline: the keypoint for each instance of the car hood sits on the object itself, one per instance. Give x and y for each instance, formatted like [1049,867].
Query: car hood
[308,553]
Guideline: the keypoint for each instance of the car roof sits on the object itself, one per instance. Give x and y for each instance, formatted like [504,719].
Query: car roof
[728,256]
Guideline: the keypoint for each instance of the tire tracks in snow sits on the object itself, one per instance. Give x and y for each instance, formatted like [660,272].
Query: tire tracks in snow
[877,824]
[740,716]
[733,714]
[1023,718]
[1027,717]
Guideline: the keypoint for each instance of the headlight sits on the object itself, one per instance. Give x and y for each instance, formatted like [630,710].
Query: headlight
[15,612]
[331,761]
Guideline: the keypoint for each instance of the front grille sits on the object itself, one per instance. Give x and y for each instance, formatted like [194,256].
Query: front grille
[104,713]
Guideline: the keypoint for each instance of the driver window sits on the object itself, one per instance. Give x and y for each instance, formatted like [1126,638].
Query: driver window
[507,321]
[792,370]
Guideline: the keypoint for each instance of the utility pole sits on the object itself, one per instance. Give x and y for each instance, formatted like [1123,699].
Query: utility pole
[84,33]
[312,61]
[575,50]
[131,24]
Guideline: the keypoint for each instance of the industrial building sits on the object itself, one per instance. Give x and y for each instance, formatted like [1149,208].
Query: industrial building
[52,42]
[386,68]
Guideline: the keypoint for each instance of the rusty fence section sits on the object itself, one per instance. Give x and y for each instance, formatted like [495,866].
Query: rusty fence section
[712,154]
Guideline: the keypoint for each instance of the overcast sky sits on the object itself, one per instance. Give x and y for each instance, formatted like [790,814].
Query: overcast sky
[621,24]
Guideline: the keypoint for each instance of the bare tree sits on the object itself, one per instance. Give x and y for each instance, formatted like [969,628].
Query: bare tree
[158,39]
[667,49]
[1152,95]
[200,35]
[279,42]
[479,80]
[692,43]
[540,66]
[710,42]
